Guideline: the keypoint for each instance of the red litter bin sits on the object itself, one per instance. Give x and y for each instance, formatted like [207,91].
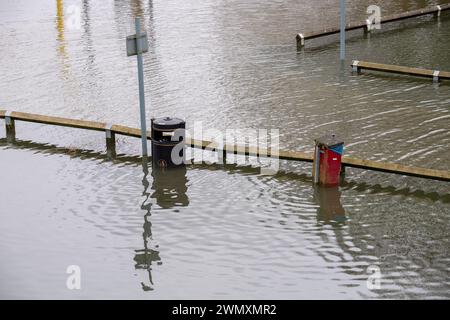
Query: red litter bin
[327,160]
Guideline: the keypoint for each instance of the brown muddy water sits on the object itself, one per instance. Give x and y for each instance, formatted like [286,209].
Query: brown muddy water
[221,231]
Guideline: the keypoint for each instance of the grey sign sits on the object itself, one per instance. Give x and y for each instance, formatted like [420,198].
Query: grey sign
[131,44]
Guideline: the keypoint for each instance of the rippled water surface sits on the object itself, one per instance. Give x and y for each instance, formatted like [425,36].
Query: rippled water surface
[214,231]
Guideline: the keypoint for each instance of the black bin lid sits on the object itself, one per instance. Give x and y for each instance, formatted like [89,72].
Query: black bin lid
[329,141]
[168,123]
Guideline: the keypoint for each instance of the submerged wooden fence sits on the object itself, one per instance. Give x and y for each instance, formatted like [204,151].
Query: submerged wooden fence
[366,25]
[112,129]
[436,75]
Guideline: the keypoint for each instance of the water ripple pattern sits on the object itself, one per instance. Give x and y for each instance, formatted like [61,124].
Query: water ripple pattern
[221,232]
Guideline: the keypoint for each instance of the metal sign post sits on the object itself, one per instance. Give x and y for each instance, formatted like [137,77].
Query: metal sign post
[342,35]
[136,45]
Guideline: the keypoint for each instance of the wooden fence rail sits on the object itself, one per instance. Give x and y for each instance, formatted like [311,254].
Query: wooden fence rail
[111,130]
[436,75]
[302,37]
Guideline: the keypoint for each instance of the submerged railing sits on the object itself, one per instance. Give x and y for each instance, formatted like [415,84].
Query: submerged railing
[436,75]
[111,130]
[367,25]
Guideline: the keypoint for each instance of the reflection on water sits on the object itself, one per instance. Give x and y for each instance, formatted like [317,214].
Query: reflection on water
[61,41]
[60,27]
[267,236]
[149,254]
[169,189]
[330,207]
[235,234]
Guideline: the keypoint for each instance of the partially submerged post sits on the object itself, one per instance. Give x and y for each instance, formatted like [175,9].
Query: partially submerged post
[367,28]
[300,41]
[10,128]
[342,32]
[110,142]
[436,75]
[355,67]
[327,160]
[438,11]
[136,45]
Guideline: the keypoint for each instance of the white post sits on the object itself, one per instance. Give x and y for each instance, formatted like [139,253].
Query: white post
[436,76]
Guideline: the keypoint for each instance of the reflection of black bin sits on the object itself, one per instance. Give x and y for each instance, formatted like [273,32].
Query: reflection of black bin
[166,137]
[170,187]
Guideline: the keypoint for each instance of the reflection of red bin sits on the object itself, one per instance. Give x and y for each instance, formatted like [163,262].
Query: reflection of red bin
[330,207]
[327,160]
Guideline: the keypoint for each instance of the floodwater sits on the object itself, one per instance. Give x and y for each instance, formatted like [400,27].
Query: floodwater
[221,231]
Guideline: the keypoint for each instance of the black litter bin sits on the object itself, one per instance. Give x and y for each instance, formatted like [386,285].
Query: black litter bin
[168,148]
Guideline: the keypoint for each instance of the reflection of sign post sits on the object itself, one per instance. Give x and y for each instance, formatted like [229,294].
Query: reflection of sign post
[136,45]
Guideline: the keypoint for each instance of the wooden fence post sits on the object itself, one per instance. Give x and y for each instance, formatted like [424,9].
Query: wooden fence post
[10,128]
[110,142]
